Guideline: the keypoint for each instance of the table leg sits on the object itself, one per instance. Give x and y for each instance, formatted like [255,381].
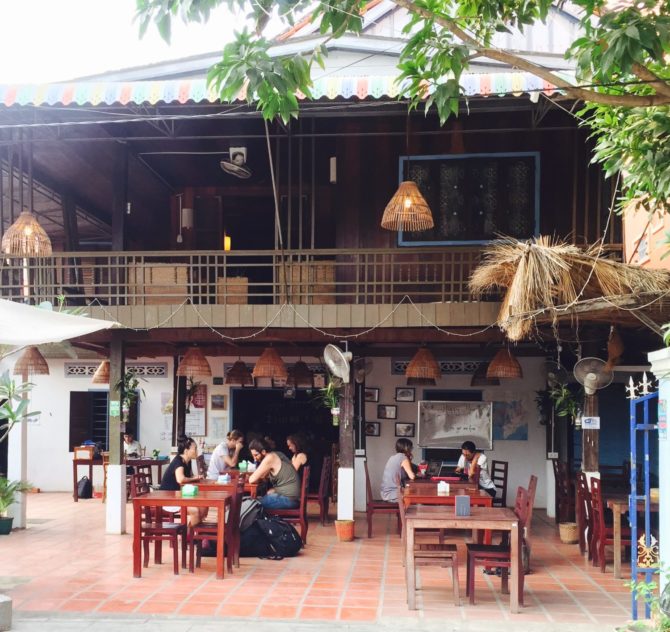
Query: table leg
[616,515]
[516,594]
[410,571]
[137,553]
[220,535]
[75,491]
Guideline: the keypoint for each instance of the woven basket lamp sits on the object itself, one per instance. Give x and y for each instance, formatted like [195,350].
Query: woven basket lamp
[407,210]
[423,366]
[31,362]
[479,377]
[194,364]
[101,375]
[421,381]
[300,376]
[26,237]
[270,365]
[239,375]
[505,365]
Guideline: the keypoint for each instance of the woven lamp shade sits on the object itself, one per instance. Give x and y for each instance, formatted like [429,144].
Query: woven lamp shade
[300,376]
[423,366]
[479,377]
[270,365]
[239,375]
[421,381]
[26,237]
[31,362]
[407,210]
[504,364]
[101,375]
[194,364]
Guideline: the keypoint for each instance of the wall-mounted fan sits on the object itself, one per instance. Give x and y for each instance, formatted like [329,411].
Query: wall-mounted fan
[362,368]
[556,374]
[338,362]
[593,374]
[236,165]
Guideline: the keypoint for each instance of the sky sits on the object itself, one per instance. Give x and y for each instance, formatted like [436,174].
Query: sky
[55,40]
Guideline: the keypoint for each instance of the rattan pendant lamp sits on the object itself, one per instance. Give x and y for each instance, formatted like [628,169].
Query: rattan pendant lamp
[194,364]
[239,375]
[270,365]
[101,375]
[408,209]
[300,376]
[31,362]
[423,366]
[479,377]
[505,365]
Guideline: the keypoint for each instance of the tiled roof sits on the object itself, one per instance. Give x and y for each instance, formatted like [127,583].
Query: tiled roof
[196,90]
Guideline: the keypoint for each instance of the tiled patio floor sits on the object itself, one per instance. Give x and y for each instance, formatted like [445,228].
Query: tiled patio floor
[64,562]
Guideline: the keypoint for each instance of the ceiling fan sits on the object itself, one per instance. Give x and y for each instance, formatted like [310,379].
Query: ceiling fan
[236,165]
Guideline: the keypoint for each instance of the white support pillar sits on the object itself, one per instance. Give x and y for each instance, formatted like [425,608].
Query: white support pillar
[115,509]
[345,493]
[17,470]
[660,365]
[360,493]
[551,489]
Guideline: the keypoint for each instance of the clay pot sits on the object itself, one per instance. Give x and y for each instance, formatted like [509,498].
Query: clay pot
[344,530]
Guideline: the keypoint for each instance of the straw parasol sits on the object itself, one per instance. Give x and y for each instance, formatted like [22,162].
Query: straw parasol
[549,276]
[31,362]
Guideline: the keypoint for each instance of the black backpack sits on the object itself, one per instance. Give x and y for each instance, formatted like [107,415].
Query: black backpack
[253,542]
[84,488]
[281,536]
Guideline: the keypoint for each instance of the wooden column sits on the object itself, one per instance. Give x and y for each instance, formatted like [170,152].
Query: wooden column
[347,427]
[590,438]
[116,371]
[70,222]
[120,197]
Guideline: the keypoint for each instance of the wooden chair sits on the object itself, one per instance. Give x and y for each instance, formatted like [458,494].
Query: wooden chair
[156,529]
[499,471]
[564,492]
[208,531]
[498,555]
[299,514]
[373,506]
[431,553]
[603,534]
[532,488]
[584,516]
[202,466]
[105,465]
[323,495]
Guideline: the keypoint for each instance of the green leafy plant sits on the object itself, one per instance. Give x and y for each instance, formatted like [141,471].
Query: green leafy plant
[15,406]
[649,593]
[329,397]
[566,403]
[129,390]
[8,492]
[544,405]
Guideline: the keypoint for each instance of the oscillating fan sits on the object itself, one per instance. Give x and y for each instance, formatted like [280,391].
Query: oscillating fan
[362,367]
[237,164]
[593,374]
[556,374]
[338,362]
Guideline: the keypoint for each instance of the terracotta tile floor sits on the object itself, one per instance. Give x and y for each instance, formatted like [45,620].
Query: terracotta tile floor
[64,562]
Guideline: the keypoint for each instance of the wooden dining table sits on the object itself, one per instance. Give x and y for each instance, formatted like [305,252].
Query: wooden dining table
[211,485]
[217,499]
[618,503]
[433,517]
[423,494]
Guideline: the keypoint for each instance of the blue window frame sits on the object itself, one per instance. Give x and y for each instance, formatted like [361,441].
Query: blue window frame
[475,197]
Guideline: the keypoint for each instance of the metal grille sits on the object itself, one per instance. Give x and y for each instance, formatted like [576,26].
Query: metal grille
[448,367]
[87,369]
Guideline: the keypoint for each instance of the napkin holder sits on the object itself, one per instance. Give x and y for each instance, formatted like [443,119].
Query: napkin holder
[189,490]
[462,505]
[443,488]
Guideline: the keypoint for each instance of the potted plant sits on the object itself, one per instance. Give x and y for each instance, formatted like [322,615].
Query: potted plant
[329,397]
[8,492]
[129,391]
[566,403]
[14,407]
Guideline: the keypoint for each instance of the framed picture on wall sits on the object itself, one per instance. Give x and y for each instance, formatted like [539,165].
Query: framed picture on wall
[385,411]
[404,394]
[371,394]
[404,429]
[372,428]
[218,402]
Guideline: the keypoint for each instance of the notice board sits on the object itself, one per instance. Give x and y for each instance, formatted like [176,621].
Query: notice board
[449,424]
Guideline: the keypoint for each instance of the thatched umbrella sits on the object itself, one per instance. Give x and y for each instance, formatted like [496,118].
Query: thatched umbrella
[548,276]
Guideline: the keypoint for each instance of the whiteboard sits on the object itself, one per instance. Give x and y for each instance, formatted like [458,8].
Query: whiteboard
[449,424]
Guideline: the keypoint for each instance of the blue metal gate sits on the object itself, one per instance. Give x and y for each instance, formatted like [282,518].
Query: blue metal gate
[644,550]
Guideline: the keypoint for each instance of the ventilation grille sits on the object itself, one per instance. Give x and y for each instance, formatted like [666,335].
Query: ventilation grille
[447,367]
[87,369]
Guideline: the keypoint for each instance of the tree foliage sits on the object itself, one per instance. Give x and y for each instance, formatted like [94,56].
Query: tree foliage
[621,58]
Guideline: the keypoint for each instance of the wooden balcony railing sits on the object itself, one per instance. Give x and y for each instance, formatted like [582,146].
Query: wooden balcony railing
[318,277]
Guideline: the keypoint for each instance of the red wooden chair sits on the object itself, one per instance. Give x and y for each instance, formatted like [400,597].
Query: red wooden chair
[499,471]
[498,555]
[603,534]
[299,514]
[156,529]
[323,495]
[432,553]
[584,516]
[564,492]
[373,506]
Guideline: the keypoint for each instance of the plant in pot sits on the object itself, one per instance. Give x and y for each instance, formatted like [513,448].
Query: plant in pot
[8,492]
[15,406]
[329,397]
[128,388]
[566,403]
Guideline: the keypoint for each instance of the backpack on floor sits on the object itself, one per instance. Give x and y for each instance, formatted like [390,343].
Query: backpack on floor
[84,488]
[281,535]
[253,542]
[250,511]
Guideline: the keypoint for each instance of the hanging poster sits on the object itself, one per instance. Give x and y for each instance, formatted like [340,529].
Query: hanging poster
[196,419]
[509,421]
[449,424]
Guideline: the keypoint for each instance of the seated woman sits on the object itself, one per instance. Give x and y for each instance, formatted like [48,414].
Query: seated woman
[296,446]
[284,491]
[226,455]
[467,464]
[179,472]
[397,467]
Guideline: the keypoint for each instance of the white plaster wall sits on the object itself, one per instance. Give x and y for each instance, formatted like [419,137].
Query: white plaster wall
[524,457]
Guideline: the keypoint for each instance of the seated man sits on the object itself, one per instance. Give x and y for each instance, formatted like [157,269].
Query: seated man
[467,464]
[226,455]
[284,491]
[131,447]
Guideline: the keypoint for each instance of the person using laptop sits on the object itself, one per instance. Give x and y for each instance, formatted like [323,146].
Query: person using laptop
[470,459]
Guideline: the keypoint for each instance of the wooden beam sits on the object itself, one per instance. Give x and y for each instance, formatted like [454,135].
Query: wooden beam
[120,198]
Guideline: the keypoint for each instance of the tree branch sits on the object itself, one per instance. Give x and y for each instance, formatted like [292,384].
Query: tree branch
[660,85]
[626,100]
